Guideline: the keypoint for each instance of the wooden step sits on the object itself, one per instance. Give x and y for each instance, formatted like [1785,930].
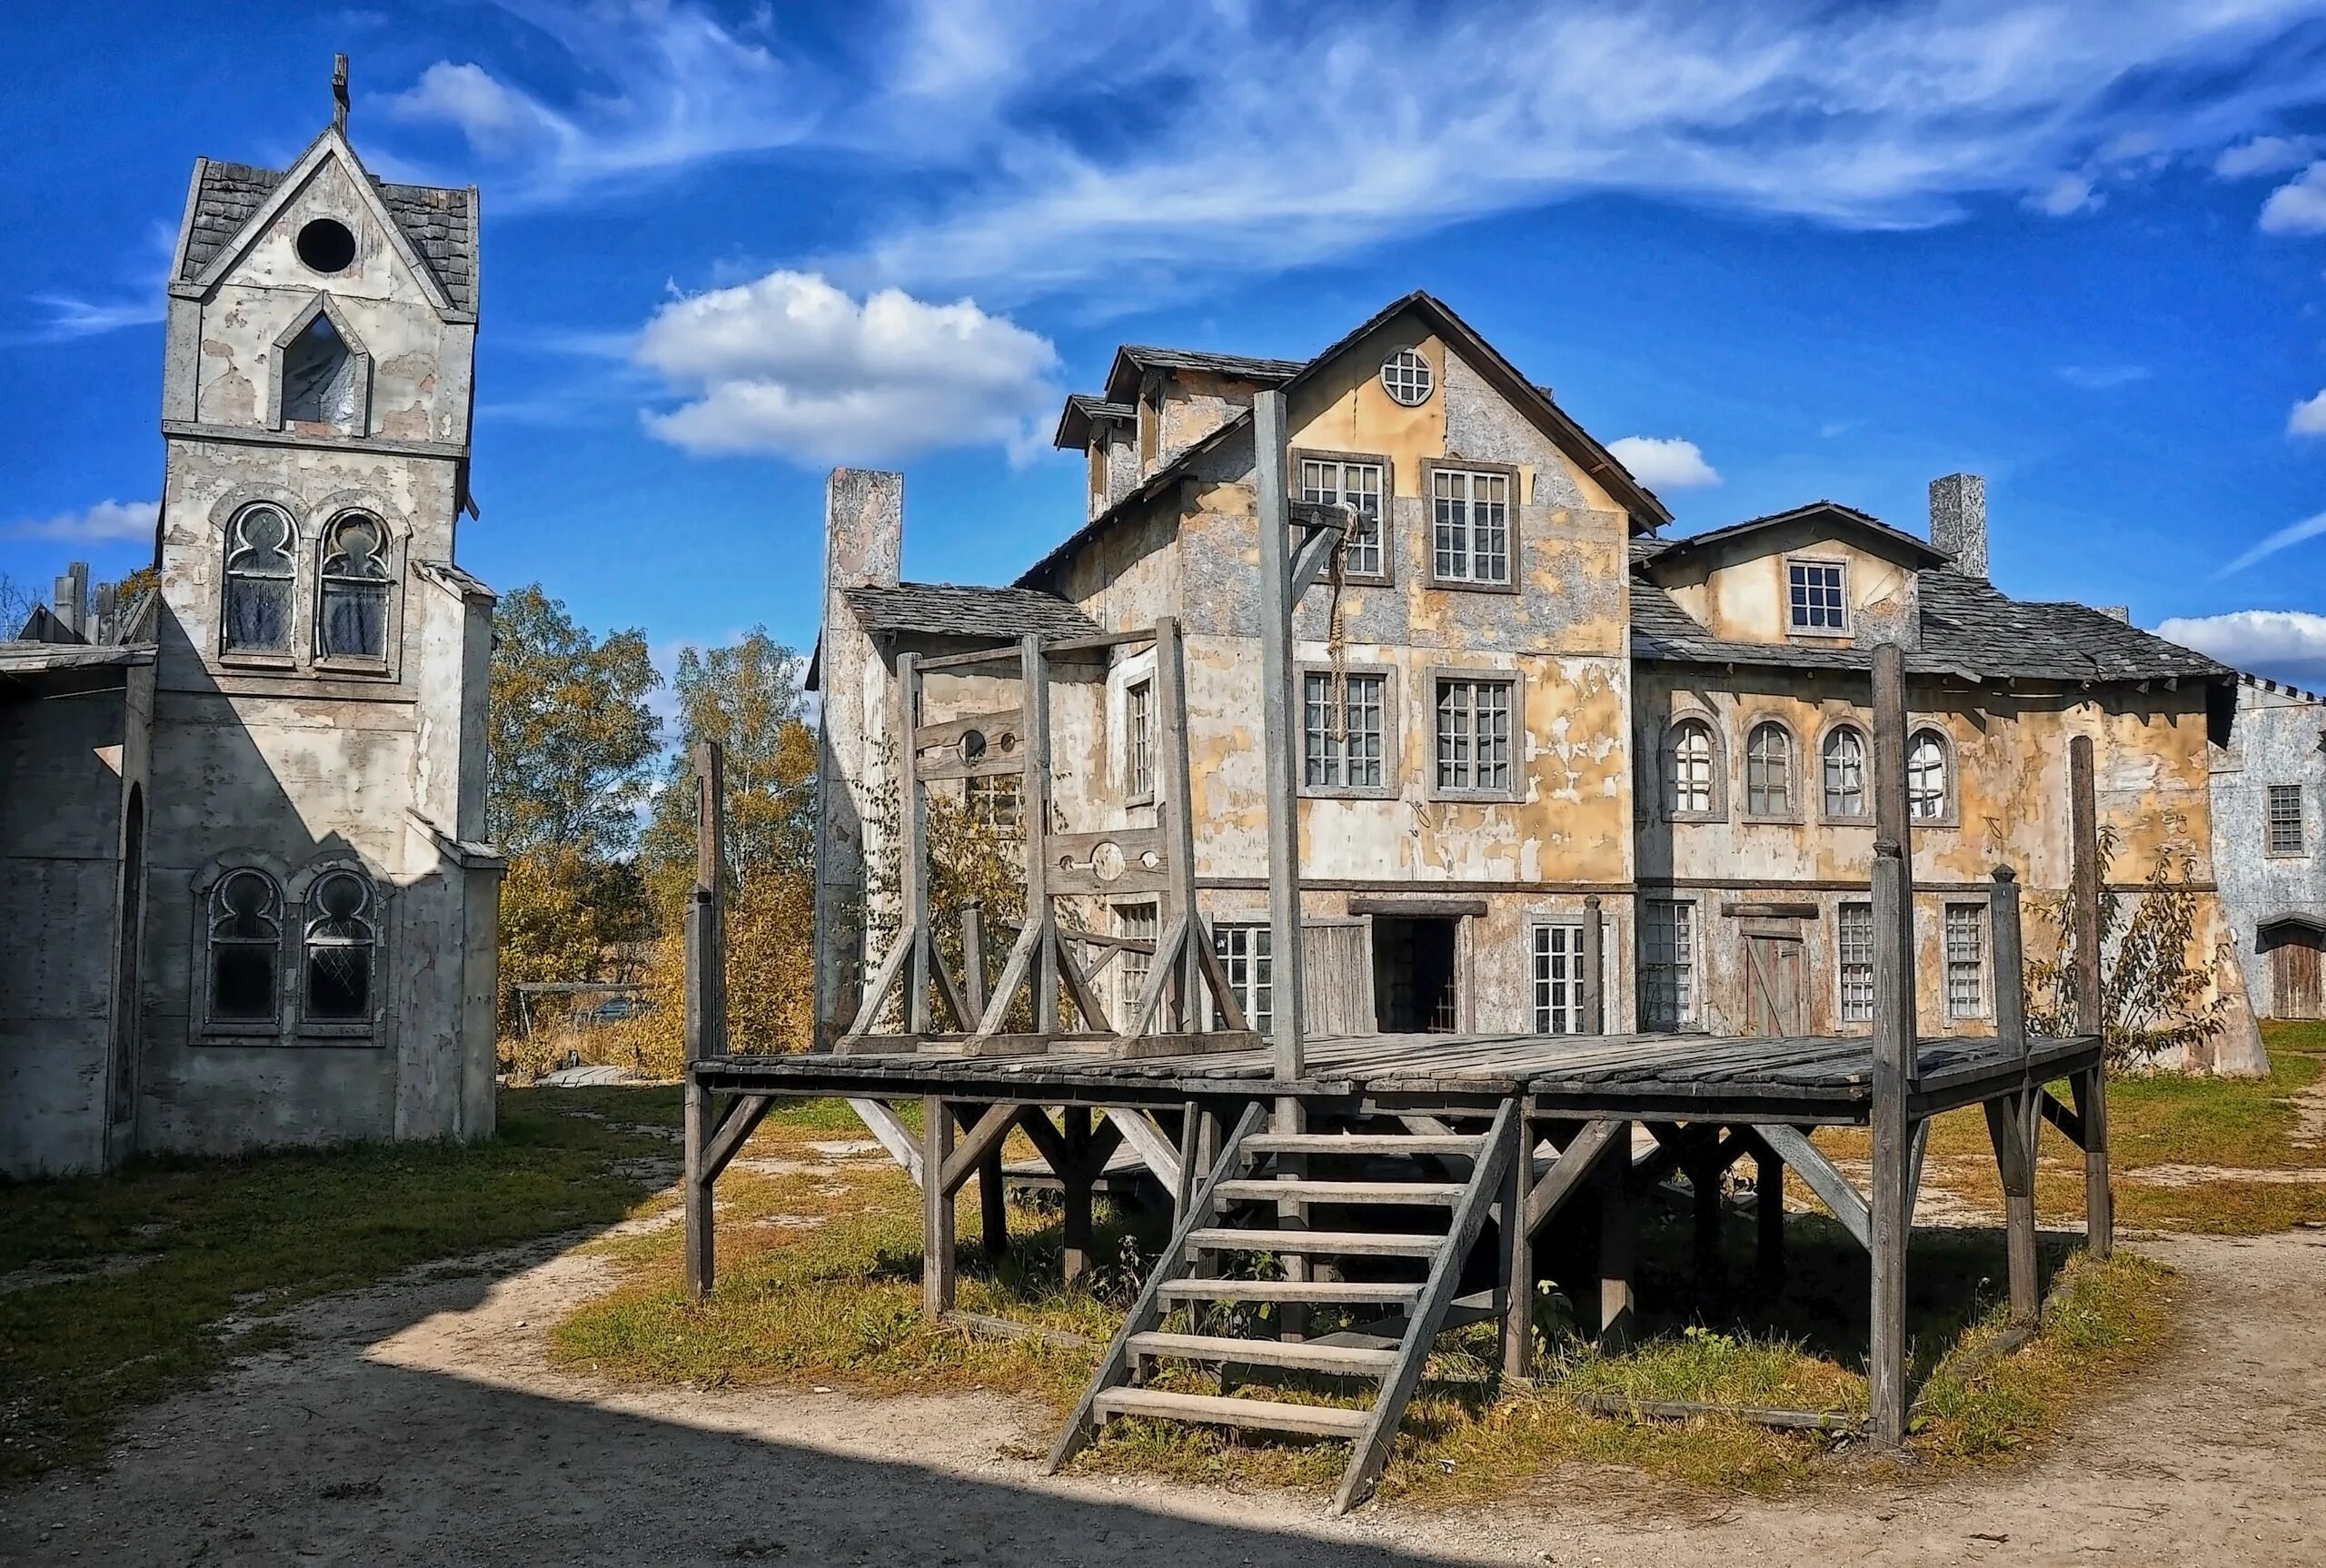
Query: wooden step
[1354,1243]
[1304,1355]
[1444,1193]
[1267,1415]
[1362,1144]
[1314,1292]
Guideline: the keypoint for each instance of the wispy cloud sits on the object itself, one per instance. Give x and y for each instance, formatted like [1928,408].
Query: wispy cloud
[2287,644]
[2298,206]
[2309,416]
[1664,462]
[2263,155]
[790,364]
[141,303]
[2286,538]
[2103,378]
[102,523]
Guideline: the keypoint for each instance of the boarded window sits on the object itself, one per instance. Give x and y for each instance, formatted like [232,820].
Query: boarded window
[1473,735]
[1966,961]
[1844,768]
[1558,979]
[1470,539]
[1854,939]
[355,586]
[1244,953]
[1331,482]
[246,947]
[1341,740]
[259,573]
[1667,963]
[1768,771]
[2285,820]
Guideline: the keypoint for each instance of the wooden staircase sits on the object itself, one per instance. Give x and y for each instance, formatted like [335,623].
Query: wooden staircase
[1263,1169]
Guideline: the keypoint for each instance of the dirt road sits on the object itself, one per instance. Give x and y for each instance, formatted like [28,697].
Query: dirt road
[419,1424]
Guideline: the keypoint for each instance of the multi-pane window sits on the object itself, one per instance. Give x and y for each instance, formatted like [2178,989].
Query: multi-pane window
[258,570]
[1341,741]
[1768,771]
[1470,531]
[1405,377]
[1815,591]
[246,947]
[1854,932]
[2285,820]
[1691,761]
[1845,767]
[340,937]
[1244,953]
[1926,776]
[1558,979]
[1136,923]
[1473,735]
[1331,482]
[996,799]
[354,618]
[1139,723]
[1667,963]
[1966,961]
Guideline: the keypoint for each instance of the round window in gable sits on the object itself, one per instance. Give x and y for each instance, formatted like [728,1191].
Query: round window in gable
[327,245]
[1405,377]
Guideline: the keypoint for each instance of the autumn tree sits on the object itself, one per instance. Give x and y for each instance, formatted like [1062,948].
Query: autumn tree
[572,749]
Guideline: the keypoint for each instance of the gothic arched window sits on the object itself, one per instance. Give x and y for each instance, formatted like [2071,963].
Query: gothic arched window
[1768,771]
[1844,766]
[355,581]
[245,927]
[259,572]
[340,937]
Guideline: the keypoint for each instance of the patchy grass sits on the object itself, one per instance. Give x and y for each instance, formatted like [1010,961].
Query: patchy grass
[133,1286]
[819,1284]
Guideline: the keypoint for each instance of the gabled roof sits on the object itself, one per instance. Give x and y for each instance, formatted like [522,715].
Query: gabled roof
[1133,361]
[1886,539]
[437,226]
[1081,411]
[1645,510]
[952,610]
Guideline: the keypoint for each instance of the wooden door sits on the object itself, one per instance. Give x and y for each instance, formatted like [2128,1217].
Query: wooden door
[1337,977]
[1773,988]
[2295,978]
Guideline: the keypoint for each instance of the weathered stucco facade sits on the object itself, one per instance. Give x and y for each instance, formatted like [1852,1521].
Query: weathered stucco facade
[2269,844]
[316,959]
[1506,583]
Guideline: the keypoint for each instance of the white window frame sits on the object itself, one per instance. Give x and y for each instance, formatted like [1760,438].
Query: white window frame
[1554,976]
[1677,786]
[1757,770]
[1963,933]
[1854,961]
[1513,741]
[1243,948]
[1135,922]
[1325,481]
[1407,378]
[1670,968]
[1457,494]
[1803,584]
[1826,761]
[1324,764]
[1138,741]
[1940,809]
[2273,819]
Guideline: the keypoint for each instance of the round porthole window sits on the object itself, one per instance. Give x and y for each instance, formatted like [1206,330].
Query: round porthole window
[327,245]
[1405,377]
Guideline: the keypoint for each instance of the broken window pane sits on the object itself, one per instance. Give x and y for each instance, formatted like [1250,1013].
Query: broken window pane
[319,376]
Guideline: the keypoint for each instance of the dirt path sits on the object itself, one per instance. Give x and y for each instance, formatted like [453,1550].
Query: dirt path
[419,1424]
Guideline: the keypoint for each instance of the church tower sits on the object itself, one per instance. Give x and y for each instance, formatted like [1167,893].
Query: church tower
[319,959]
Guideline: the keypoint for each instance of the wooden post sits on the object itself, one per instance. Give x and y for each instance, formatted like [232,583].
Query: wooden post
[912,859]
[1703,1186]
[1895,1048]
[1768,1215]
[2011,966]
[1075,1179]
[1594,959]
[1183,1191]
[1175,817]
[2084,891]
[1617,1222]
[993,1199]
[698,1197]
[1034,797]
[1279,732]
[1517,1258]
[936,1226]
[706,1007]
[2091,1091]
[2011,1127]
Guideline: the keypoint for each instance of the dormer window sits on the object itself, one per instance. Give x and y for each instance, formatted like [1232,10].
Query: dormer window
[1818,604]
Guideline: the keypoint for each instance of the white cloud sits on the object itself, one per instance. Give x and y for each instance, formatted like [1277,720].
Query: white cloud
[70,316]
[2286,538]
[2263,155]
[790,364]
[2309,416]
[2103,378]
[2288,644]
[102,523]
[2066,196]
[2298,206]
[1662,463]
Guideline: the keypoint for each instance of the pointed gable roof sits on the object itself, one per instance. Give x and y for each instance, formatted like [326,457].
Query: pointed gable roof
[1876,534]
[434,228]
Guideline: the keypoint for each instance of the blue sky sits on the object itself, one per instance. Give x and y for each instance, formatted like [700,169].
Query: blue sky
[1804,249]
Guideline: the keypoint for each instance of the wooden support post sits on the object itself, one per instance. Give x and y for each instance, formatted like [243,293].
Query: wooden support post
[699,1186]
[912,859]
[1176,815]
[1594,959]
[1034,815]
[2083,887]
[2011,965]
[1076,1180]
[1280,734]
[937,1228]
[2011,1129]
[1894,1049]
[1704,1170]
[1618,1220]
[1191,1168]
[2091,1090]
[1768,1215]
[705,1023]
[1517,1259]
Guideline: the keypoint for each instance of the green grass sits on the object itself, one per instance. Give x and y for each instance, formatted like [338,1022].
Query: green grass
[190,1244]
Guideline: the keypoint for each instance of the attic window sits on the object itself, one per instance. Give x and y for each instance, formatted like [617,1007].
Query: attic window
[319,376]
[1405,376]
[327,245]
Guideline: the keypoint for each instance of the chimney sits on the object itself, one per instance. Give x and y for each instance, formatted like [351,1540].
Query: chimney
[2122,612]
[1958,521]
[71,599]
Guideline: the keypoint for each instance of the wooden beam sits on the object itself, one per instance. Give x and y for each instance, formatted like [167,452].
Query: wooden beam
[1547,1193]
[1618,1228]
[2060,1116]
[1595,967]
[1516,1254]
[2009,1130]
[985,1135]
[1768,1213]
[1279,733]
[1075,1182]
[1313,555]
[1821,1176]
[2011,967]
[2091,1090]
[2083,887]
[1034,795]
[912,851]
[938,1240]
[1895,1052]
[1215,974]
[895,1136]
[696,1201]
[1154,1150]
[736,1125]
[1084,996]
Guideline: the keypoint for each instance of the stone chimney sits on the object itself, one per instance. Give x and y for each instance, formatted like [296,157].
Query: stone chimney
[1958,521]
[2122,612]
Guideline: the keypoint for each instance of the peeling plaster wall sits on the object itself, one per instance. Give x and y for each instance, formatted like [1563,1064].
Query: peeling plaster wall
[2280,737]
[1740,594]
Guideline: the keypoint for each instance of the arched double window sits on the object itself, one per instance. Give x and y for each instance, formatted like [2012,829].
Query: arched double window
[1845,771]
[260,571]
[355,581]
[1926,776]
[340,941]
[1691,770]
[246,929]
[1768,771]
